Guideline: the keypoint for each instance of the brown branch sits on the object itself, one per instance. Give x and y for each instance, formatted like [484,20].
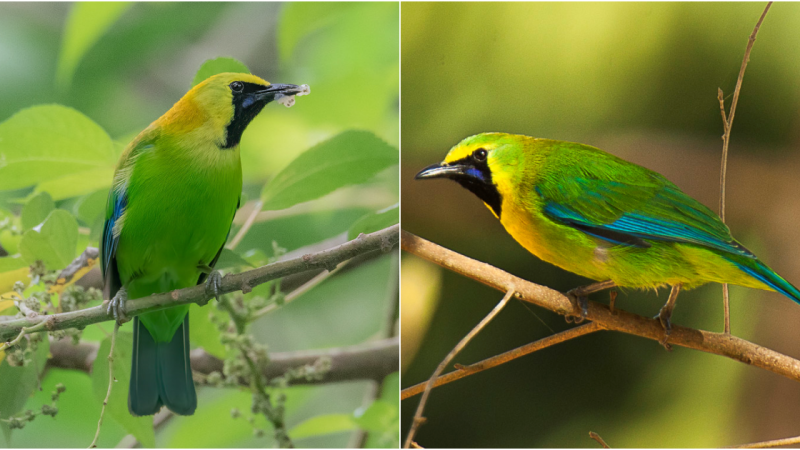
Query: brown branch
[620,320]
[727,123]
[464,371]
[382,240]
[369,361]
[597,438]
[418,419]
[771,444]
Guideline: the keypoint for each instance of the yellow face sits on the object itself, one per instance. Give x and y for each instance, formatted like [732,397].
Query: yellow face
[465,148]
[220,108]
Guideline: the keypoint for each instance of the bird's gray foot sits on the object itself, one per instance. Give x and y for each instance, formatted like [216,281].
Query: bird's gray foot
[116,306]
[664,317]
[580,302]
[580,299]
[213,283]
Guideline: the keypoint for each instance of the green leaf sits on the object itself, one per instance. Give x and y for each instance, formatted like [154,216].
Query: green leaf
[375,221]
[87,22]
[91,207]
[299,19]
[204,333]
[36,210]
[10,241]
[20,382]
[325,424]
[140,427]
[229,259]
[378,417]
[352,157]
[390,388]
[382,420]
[54,244]
[219,65]
[77,184]
[9,263]
[48,142]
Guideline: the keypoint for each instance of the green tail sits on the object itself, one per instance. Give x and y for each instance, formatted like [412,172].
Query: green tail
[764,274]
[161,373]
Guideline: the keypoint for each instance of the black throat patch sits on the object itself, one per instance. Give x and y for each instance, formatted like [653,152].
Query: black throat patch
[478,180]
[245,109]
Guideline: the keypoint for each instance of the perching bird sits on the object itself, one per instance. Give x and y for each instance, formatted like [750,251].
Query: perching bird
[602,217]
[170,208]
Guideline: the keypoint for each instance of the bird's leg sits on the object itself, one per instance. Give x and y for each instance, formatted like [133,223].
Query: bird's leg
[213,282]
[612,295]
[666,313]
[580,298]
[116,306]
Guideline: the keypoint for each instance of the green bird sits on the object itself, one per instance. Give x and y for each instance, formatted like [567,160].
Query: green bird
[175,191]
[601,217]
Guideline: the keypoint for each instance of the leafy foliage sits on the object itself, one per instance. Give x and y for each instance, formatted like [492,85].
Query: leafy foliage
[56,165]
[353,157]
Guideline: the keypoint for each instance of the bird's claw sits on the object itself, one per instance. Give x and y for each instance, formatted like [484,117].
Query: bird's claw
[213,283]
[581,305]
[664,317]
[116,306]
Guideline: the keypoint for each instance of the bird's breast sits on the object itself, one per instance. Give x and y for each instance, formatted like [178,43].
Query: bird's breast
[178,216]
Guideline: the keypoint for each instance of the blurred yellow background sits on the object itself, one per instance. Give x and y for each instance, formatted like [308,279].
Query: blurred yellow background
[638,80]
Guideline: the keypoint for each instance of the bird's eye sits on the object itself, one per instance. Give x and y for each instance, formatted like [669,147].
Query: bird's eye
[480,154]
[237,86]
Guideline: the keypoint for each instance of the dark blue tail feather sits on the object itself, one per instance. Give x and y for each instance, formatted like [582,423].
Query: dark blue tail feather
[161,373]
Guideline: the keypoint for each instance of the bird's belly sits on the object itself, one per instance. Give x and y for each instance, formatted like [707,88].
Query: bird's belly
[162,247]
[663,263]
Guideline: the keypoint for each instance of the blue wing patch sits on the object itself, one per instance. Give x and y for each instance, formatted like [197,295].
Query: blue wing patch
[669,218]
[118,201]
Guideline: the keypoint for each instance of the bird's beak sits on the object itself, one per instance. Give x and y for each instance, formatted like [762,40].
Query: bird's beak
[276,91]
[441,171]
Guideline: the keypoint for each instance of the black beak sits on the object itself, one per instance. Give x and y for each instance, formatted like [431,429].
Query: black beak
[441,171]
[276,91]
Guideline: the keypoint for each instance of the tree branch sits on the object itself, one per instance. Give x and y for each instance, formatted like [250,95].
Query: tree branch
[494,361]
[618,320]
[368,361]
[382,240]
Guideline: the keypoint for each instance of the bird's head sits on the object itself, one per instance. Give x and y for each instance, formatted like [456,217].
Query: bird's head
[484,164]
[230,101]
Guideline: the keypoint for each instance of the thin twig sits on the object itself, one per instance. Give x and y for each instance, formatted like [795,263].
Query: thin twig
[465,371]
[383,240]
[22,332]
[246,225]
[726,137]
[418,419]
[620,320]
[307,286]
[771,444]
[597,438]
[110,384]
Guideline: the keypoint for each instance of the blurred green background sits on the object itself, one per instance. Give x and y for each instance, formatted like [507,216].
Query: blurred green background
[638,80]
[123,65]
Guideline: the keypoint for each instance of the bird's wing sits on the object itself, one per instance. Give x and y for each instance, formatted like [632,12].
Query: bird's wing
[115,208]
[629,212]
[117,202]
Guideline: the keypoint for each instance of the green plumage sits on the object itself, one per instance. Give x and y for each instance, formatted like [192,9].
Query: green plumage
[175,192]
[601,217]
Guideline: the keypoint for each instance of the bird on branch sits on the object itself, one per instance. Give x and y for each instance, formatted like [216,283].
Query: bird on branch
[175,191]
[601,217]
